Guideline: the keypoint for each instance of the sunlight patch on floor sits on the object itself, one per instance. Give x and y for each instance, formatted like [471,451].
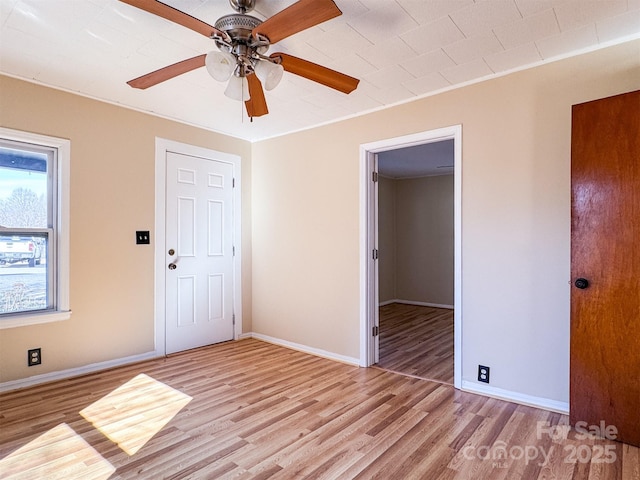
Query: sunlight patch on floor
[134,412]
[58,454]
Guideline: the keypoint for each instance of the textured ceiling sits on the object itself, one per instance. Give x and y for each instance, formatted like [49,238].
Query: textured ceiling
[428,159]
[400,49]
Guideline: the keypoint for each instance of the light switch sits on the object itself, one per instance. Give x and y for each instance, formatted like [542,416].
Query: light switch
[143,237]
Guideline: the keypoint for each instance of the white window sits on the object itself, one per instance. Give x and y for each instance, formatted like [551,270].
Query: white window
[34,228]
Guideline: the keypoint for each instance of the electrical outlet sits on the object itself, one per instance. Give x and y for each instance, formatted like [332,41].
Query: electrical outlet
[34,357]
[483,374]
[143,237]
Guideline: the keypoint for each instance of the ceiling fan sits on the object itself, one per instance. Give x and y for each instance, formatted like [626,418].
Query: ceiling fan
[242,42]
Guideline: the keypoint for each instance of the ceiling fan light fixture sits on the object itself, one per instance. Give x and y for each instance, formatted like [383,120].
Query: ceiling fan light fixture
[243,41]
[237,88]
[220,65]
[269,73]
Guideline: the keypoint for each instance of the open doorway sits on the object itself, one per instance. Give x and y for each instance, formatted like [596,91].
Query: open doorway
[416,260]
[450,137]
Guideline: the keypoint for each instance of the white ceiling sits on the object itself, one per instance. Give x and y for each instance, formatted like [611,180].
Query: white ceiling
[426,160]
[400,49]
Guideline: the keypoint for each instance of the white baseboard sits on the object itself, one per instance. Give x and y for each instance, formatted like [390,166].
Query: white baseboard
[515,397]
[74,372]
[420,304]
[95,367]
[467,386]
[304,348]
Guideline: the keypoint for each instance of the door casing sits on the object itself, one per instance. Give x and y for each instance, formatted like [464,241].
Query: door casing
[162,147]
[369,240]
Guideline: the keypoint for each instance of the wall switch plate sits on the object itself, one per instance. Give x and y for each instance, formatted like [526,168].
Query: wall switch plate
[34,357]
[483,374]
[143,237]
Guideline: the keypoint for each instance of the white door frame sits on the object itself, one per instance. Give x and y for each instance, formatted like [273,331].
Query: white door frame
[162,147]
[369,240]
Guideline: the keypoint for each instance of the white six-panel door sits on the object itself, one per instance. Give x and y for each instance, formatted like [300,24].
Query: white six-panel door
[199,252]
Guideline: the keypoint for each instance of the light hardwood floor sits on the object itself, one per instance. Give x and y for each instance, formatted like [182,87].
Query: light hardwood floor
[418,341]
[252,410]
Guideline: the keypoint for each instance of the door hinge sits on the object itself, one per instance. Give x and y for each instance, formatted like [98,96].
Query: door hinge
[376,331]
[374,176]
[233,318]
[233,183]
[374,254]
[233,251]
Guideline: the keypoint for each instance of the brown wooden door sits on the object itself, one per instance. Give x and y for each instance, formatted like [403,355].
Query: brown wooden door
[605,250]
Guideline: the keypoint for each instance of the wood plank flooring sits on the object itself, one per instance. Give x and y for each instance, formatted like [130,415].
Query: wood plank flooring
[252,410]
[417,340]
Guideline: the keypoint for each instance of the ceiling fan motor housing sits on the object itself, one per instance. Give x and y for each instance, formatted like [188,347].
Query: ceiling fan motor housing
[238,26]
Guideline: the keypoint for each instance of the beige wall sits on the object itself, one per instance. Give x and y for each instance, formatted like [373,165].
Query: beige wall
[387,239]
[416,239]
[515,219]
[424,240]
[112,196]
[301,241]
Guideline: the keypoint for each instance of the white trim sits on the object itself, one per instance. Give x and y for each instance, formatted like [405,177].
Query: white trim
[412,302]
[304,348]
[368,283]
[515,397]
[365,175]
[35,319]
[63,227]
[457,255]
[74,372]
[431,136]
[159,312]
[162,147]
[369,289]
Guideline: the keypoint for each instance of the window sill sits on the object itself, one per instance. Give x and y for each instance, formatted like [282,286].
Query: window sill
[34,319]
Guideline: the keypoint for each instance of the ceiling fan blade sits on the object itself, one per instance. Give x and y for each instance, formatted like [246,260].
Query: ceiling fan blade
[166,73]
[169,13]
[317,73]
[257,104]
[301,15]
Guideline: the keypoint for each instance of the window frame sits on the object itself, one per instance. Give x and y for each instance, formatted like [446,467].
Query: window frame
[60,251]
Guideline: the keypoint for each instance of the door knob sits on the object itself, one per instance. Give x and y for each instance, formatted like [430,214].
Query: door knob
[172,266]
[581,283]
